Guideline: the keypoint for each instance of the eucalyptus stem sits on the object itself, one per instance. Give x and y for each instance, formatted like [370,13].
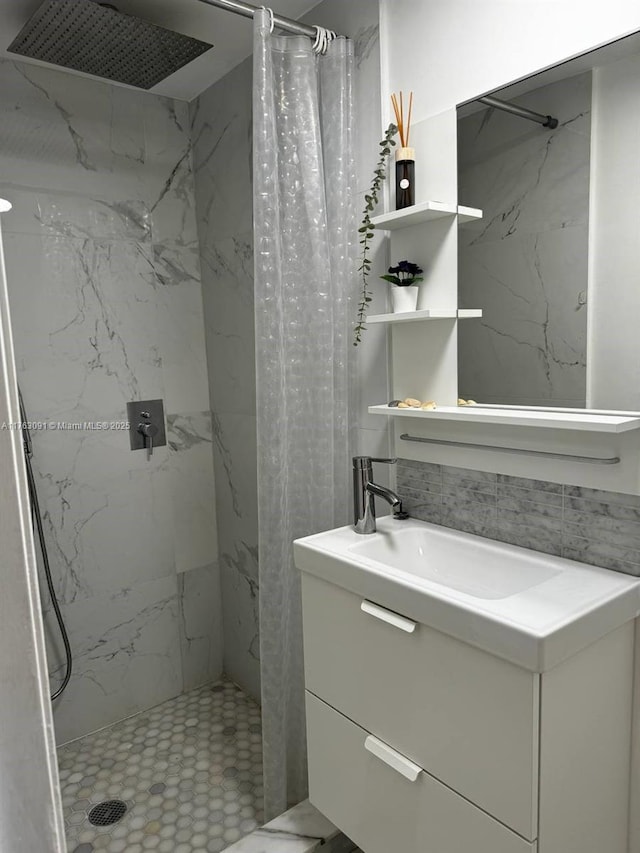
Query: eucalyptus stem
[367,228]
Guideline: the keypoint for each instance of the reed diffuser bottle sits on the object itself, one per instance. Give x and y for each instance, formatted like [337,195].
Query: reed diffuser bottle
[405,177]
[405,156]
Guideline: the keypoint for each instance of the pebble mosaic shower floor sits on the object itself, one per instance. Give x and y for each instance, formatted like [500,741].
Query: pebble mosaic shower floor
[189,771]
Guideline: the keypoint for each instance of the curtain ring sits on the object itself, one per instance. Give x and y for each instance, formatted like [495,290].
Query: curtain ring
[271,18]
[322,40]
[317,44]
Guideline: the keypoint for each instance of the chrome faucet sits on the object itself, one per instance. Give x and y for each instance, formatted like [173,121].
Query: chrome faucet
[364,491]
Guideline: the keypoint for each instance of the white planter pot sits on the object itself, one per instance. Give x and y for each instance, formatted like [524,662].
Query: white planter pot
[404,299]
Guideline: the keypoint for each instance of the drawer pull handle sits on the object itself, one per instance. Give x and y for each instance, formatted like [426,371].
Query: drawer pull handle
[388,616]
[392,758]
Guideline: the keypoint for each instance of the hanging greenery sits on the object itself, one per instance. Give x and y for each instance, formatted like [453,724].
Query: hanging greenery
[367,228]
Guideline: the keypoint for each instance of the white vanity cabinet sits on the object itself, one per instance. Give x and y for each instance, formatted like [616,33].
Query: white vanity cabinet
[421,743]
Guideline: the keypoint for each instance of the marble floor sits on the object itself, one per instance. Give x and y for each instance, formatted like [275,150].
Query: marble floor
[189,772]
[301,829]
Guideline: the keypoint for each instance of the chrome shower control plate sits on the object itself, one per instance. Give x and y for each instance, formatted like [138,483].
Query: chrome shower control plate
[151,413]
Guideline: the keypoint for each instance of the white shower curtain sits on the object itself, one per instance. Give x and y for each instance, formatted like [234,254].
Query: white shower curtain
[305,244]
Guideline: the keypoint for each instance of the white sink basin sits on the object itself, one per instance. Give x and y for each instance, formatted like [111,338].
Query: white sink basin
[452,561]
[532,609]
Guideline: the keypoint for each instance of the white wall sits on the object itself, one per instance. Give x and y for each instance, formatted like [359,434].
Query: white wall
[450,51]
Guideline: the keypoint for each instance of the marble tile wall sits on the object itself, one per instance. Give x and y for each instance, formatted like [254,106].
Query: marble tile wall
[525,262]
[221,132]
[104,275]
[590,525]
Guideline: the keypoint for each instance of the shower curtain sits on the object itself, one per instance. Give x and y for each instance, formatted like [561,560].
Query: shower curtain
[305,248]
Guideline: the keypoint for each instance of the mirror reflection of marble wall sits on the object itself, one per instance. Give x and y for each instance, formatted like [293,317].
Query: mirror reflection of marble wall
[525,262]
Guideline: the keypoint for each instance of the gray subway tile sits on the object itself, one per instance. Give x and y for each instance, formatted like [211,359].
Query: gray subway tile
[465,475]
[426,512]
[405,492]
[424,485]
[432,472]
[589,525]
[476,518]
[462,486]
[413,497]
[593,551]
[605,561]
[525,483]
[424,467]
[463,495]
[424,504]
[536,496]
[464,503]
[605,530]
[528,509]
[602,509]
[602,496]
[508,518]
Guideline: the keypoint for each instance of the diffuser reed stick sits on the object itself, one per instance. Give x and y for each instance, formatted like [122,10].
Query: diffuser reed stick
[398,108]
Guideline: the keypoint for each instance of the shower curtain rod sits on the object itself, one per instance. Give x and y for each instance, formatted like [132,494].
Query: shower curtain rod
[523,112]
[248,10]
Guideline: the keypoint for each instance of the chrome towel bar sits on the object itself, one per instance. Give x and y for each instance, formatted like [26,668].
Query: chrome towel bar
[594,460]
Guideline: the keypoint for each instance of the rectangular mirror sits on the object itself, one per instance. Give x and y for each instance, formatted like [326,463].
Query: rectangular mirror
[555,262]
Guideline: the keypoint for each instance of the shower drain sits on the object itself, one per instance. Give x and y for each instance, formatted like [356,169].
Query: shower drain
[104,814]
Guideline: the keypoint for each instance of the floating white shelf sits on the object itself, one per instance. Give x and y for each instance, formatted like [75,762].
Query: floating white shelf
[426,211]
[426,314]
[468,214]
[587,421]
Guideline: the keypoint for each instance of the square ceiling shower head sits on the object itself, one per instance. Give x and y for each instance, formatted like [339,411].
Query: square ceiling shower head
[86,36]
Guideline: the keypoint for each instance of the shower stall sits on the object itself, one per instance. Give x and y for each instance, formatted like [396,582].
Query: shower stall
[129,280]
[103,274]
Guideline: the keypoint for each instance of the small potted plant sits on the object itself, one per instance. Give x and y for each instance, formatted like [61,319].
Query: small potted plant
[404,293]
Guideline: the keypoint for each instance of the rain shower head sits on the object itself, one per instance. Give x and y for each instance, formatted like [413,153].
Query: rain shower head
[96,39]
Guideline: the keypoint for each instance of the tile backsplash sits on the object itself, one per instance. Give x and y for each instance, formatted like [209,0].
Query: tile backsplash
[589,525]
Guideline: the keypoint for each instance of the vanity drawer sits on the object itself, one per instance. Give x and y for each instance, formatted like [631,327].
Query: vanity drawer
[381,809]
[469,718]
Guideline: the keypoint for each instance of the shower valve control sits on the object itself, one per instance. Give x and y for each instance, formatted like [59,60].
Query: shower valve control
[148,432]
[147,429]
